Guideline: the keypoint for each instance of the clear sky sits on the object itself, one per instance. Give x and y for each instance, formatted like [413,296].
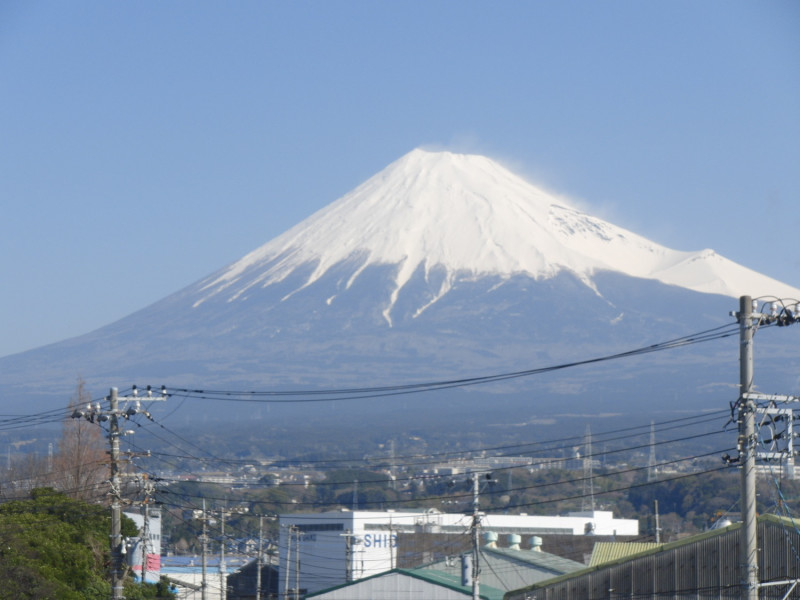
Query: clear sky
[143,145]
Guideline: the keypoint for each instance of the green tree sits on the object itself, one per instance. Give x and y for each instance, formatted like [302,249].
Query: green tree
[56,547]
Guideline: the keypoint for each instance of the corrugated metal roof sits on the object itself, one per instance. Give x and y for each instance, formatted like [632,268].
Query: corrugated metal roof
[542,560]
[708,562]
[365,588]
[507,569]
[448,580]
[604,552]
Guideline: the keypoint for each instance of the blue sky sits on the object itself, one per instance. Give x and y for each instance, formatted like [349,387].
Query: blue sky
[145,145]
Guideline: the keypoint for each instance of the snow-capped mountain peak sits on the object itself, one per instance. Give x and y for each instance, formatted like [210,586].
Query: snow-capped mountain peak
[469,216]
[441,267]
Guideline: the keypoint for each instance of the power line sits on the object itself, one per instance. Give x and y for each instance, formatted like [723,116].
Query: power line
[462,496]
[330,395]
[528,448]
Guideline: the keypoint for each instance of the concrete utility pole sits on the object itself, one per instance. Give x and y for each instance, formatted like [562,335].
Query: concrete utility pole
[287,566]
[348,555]
[148,489]
[747,448]
[204,540]
[651,463]
[476,527]
[658,526]
[297,564]
[588,472]
[749,319]
[95,414]
[116,500]
[145,543]
[259,560]
[223,577]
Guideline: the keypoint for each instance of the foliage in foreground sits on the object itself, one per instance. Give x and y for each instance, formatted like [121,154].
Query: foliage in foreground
[55,547]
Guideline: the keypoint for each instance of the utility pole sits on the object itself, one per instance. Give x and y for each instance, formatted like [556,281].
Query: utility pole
[148,489]
[747,449]
[348,555]
[392,466]
[116,500]
[588,471]
[651,463]
[259,560]
[353,570]
[223,583]
[95,414]
[658,526]
[269,574]
[392,545]
[297,563]
[749,318]
[287,566]
[145,542]
[476,526]
[204,560]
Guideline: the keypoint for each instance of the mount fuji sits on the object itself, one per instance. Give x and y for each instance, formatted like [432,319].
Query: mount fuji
[465,217]
[440,266]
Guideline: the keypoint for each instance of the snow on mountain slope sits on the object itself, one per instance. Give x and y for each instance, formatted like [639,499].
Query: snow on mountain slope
[471,217]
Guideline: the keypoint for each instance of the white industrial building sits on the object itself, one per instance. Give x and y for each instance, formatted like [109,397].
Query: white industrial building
[323,550]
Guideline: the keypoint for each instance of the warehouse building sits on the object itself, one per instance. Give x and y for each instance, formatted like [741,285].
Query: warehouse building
[703,566]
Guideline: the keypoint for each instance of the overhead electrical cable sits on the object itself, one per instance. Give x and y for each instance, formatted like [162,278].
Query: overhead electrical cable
[468,496]
[418,461]
[620,489]
[498,469]
[330,395]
